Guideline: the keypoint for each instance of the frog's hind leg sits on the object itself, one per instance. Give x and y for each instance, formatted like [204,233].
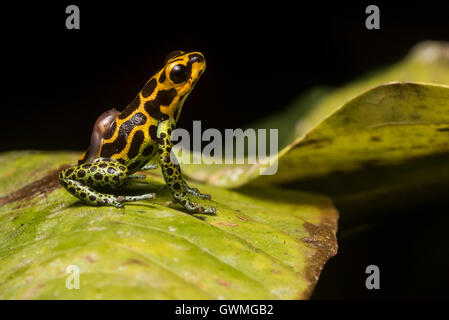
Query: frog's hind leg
[92,197]
[83,180]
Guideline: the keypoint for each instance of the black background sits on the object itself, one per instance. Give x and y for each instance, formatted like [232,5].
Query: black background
[260,57]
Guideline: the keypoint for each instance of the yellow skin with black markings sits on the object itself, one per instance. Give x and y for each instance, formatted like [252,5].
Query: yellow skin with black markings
[123,143]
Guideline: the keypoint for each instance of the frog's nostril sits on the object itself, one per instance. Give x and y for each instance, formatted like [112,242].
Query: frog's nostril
[195,57]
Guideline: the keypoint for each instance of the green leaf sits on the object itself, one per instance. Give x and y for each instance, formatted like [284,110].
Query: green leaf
[386,125]
[427,62]
[264,242]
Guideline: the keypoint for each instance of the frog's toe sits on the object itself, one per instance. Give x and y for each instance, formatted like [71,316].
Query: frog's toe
[205,196]
[149,196]
[202,195]
[137,176]
[211,211]
[197,193]
[196,208]
[140,197]
[117,204]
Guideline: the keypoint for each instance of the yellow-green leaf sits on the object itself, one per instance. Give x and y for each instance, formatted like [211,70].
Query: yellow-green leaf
[264,243]
[386,125]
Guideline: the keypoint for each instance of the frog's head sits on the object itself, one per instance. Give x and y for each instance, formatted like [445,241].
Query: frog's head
[178,76]
[182,70]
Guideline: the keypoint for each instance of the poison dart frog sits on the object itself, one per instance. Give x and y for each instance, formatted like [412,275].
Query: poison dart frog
[123,143]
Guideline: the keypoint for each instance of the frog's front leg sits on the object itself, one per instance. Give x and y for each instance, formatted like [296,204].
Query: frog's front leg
[83,180]
[172,172]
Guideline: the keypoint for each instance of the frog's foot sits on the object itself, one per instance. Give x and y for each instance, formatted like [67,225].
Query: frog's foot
[89,195]
[93,197]
[118,201]
[121,199]
[196,192]
[192,206]
[149,167]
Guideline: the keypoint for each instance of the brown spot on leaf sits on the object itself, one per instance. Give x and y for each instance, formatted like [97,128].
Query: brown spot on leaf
[322,238]
[37,188]
[223,283]
[229,224]
[89,258]
[242,218]
[376,139]
[29,294]
[134,261]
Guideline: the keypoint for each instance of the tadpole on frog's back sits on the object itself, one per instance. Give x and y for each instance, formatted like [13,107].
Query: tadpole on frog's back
[101,127]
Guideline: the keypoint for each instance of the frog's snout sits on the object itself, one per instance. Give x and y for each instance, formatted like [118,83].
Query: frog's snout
[196,57]
[197,63]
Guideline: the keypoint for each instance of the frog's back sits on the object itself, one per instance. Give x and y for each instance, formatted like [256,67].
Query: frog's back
[132,137]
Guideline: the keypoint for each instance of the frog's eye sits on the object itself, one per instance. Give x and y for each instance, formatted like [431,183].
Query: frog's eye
[179,74]
[173,54]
